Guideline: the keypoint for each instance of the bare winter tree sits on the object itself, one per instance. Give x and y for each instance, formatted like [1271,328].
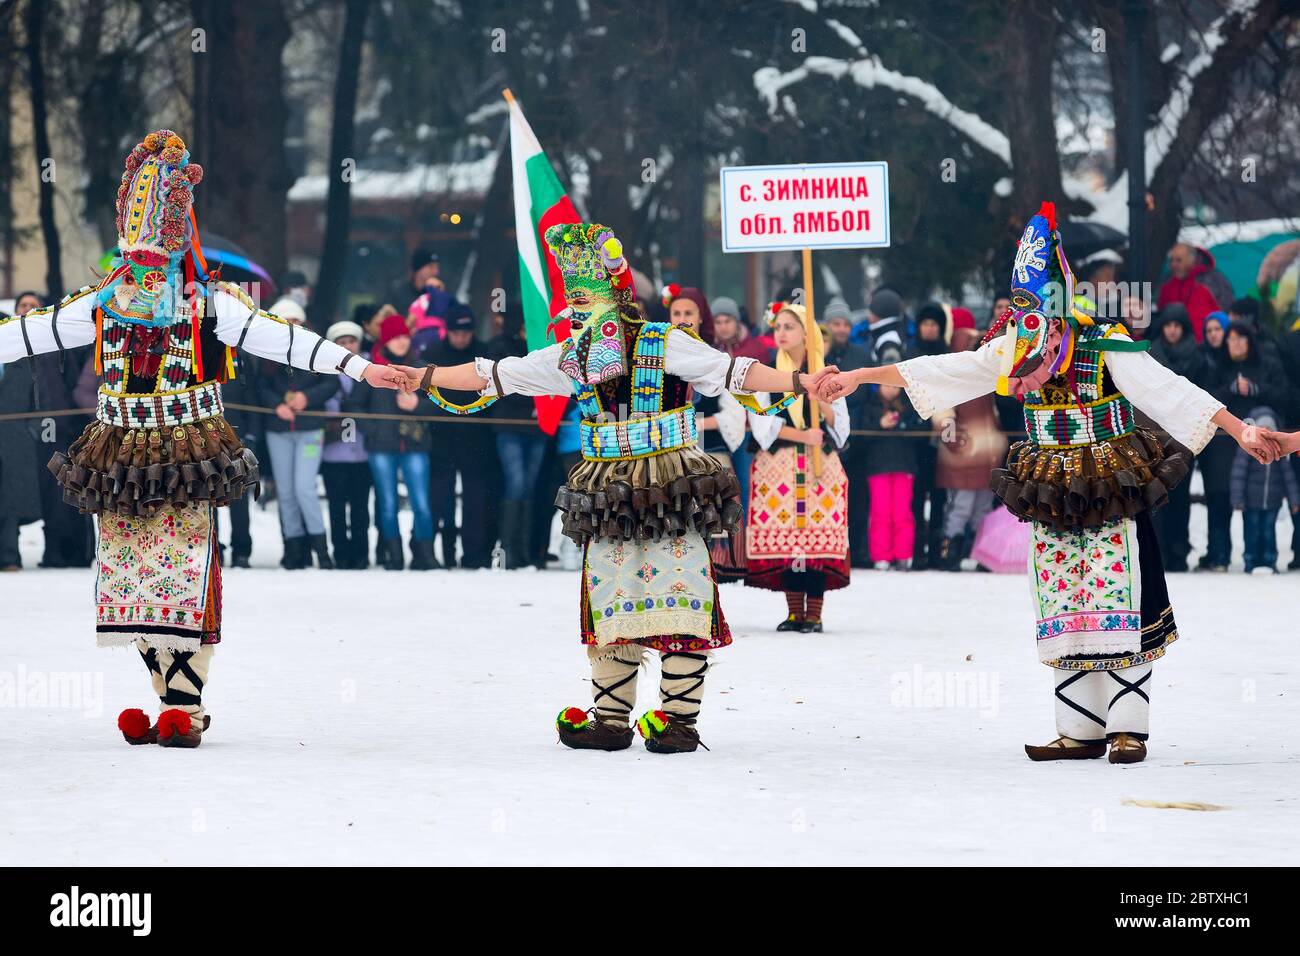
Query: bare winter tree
[342,165]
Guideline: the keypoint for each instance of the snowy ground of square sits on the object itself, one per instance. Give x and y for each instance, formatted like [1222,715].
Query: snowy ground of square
[379,718]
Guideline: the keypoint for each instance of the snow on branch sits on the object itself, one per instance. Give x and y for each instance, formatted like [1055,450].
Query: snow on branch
[869,73]
[1160,137]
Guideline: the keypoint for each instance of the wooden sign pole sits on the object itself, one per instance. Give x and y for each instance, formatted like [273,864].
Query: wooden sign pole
[815,362]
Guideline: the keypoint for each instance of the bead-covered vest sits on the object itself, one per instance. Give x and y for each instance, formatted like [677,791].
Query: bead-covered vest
[659,419]
[1054,419]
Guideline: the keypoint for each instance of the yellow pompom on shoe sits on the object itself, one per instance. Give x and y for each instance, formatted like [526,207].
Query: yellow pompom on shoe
[665,735]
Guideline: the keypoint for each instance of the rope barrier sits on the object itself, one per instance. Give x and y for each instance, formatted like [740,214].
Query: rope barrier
[438,419]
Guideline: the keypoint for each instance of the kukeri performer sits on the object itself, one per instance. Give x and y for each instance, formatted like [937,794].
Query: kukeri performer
[644,499]
[1087,477]
[159,457]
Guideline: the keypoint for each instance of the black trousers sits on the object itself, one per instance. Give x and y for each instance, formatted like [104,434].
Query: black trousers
[929,531]
[347,490]
[9,556]
[475,461]
[859,503]
[69,535]
[1171,523]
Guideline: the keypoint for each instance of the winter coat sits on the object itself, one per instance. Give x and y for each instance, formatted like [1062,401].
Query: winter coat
[1262,487]
[1269,389]
[847,357]
[978,445]
[514,407]
[389,435]
[476,435]
[274,381]
[888,454]
[1204,290]
[1185,357]
[336,450]
[20,495]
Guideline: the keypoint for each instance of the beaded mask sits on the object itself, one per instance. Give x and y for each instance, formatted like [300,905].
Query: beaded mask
[1038,340]
[597,282]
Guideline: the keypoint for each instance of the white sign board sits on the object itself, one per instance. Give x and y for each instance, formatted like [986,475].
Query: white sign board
[809,206]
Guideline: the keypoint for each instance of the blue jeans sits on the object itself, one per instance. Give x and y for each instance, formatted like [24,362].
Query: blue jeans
[1259,527]
[295,463]
[414,466]
[521,462]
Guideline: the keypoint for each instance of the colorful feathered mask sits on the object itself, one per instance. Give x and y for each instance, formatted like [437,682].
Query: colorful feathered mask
[599,297]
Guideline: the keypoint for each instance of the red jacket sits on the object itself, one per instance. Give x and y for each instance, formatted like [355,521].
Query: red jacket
[1195,292]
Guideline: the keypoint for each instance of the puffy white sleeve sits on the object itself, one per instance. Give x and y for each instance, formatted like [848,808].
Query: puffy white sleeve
[936,382]
[709,370]
[731,421]
[765,428]
[1174,403]
[249,329]
[537,373]
[39,331]
[839,430]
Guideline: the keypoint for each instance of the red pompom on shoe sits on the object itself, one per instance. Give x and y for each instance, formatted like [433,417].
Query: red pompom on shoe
[572,719]
[173,722]
[133,722]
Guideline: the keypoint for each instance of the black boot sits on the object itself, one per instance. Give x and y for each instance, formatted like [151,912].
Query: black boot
[394,559]
[948,554]
[524,536]
[422,558]
[447,539]
[295,554]
[322,552]
[360,549]
[510,513]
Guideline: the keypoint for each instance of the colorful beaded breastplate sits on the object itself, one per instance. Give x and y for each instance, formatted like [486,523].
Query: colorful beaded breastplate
[1053,416]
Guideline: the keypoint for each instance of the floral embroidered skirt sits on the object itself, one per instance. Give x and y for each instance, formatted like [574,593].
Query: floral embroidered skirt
[1100,595]
[796,521]
[660,594]
[159,579]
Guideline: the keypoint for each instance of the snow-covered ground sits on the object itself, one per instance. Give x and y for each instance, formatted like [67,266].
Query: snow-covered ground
[379,718]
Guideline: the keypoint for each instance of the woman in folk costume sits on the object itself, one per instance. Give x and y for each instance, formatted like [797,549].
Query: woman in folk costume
[797,535]
[1087,477]
[159,458]
[719,418]
[644,498]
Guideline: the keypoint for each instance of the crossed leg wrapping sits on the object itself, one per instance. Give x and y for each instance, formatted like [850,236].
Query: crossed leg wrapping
[613,682]
[681,686]
[1094,705]
[178,677]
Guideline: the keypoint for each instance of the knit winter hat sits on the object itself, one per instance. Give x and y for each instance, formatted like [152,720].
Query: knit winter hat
[289,310]
[837,308]
[724,305]
[341,330]
[391,328]
[886,304]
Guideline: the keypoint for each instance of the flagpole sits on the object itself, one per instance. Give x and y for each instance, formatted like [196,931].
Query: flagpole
[814,363]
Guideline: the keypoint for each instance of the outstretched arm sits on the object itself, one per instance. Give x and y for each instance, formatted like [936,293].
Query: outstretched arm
[41,330]
[933,382]
[537,373]
[240,324]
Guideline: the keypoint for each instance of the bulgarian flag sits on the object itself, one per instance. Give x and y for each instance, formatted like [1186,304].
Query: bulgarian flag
[540,202]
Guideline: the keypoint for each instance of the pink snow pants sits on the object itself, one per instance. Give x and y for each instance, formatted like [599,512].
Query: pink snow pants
[892,528]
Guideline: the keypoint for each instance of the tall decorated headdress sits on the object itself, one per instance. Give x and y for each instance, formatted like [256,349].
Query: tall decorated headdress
[599,296]
[156,276]
[1041,327]
[155,231]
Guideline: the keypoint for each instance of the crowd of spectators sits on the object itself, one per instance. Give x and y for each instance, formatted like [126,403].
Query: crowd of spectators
[479,490]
